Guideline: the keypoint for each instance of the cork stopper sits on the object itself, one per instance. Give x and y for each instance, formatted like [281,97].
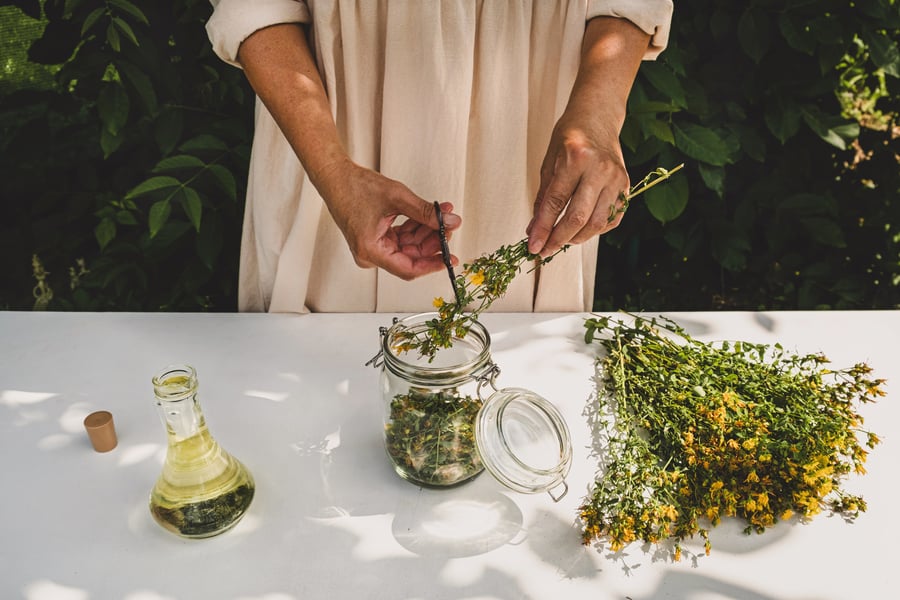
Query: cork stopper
[101,430]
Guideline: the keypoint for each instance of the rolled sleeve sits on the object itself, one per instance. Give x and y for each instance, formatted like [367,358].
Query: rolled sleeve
[654,17]
[233,21]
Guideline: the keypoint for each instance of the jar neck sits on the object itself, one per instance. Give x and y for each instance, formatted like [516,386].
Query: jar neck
[179,409]
[465,359]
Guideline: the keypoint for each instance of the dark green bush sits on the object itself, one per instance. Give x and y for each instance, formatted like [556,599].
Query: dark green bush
[786,115]
[133,162]
[124,176]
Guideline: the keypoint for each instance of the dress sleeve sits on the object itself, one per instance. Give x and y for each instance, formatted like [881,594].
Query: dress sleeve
[654,17]
[233,21]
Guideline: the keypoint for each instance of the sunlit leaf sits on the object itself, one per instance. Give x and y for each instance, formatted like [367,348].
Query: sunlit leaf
[667,200]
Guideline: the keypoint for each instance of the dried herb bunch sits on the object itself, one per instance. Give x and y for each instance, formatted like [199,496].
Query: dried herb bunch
[431,436]
[694,432]
[488,277]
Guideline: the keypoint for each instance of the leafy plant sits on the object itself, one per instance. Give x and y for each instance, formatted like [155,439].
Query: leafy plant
[789,199]
[786,112]
[693,433]
[128,162]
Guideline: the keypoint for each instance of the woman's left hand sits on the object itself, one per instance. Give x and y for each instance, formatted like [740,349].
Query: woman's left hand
[583,180]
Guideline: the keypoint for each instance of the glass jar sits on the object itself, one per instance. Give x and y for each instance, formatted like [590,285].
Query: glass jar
[202,490]
[440,430]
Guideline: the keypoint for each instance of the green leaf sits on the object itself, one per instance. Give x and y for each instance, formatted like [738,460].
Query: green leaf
[754,34]
[654,107]
[750,141]
[665,81]
[203,142]
[126,217]
[834,130]
[105,232]
[225,179]
[125,28]
[112,107]
[151,185]
[798,39]
[168,128]
[193,206]
[110,142]
[159,214]
[782,118]
[141,83]
[884,53]
[824,231]
[112,37]
[631,133]
[713,177]
[179,161]
[658,129]
[701,143]
[131,9]
[808,204]
[92,19]
[666,201]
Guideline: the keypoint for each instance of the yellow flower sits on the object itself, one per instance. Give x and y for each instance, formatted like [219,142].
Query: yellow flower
[477,278]
[716,486]
[787,514]
[438,302]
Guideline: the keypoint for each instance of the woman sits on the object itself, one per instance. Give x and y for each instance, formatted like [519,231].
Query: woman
[508,113]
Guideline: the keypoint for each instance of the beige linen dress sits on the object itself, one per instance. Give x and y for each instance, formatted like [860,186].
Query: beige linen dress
[457,100]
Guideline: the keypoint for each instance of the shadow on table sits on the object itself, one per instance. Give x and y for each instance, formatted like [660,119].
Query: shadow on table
[452,524]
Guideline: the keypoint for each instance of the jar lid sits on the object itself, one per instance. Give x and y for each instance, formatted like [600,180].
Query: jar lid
[524,442]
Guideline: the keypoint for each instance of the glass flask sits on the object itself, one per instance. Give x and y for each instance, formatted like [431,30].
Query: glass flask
[203,490]
[440,430]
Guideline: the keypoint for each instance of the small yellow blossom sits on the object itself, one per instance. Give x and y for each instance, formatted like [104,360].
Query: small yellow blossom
[477,278]
[438,302]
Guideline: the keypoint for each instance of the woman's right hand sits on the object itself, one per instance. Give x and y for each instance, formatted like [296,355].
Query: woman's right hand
[365,205]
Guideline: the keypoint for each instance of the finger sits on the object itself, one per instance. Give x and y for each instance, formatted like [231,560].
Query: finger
[409,267]
[606,216]
[552,204]
[578,216]
[546,178]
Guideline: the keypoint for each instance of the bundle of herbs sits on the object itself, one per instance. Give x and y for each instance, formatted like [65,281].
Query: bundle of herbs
[689,433]
[487,278]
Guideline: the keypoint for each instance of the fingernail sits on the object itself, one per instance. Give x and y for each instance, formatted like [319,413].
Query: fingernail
[452,220]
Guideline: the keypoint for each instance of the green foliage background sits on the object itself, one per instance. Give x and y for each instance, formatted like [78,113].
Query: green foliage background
[125,143]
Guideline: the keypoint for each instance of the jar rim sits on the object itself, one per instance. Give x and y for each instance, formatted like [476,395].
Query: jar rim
[457,371]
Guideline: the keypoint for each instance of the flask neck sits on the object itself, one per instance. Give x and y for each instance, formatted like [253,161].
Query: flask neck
[179,409]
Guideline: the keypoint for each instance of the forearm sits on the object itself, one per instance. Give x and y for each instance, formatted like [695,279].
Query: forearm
[280,67]
[611,55]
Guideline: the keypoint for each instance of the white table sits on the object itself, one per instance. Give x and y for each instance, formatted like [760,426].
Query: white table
[289,395]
